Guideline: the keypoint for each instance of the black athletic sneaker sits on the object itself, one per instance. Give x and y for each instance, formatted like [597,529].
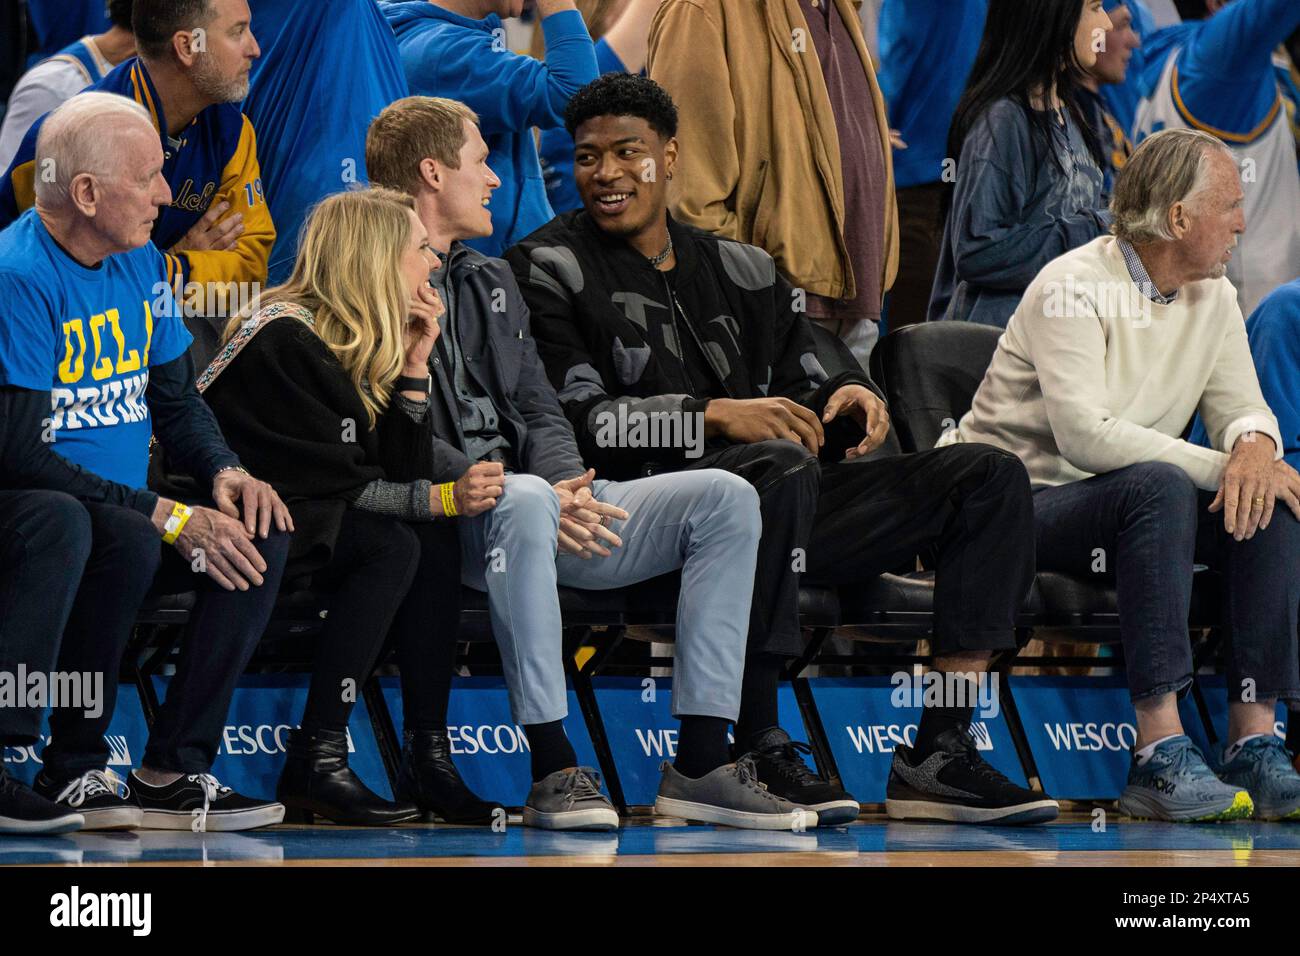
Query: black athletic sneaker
[100,796]
[782,770]
[198,802]
[23,810]
[954,783]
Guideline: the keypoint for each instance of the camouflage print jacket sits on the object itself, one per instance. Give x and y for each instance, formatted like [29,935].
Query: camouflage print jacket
[616,350]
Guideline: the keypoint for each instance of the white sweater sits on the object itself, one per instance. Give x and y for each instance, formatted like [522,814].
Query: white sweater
[1091,376]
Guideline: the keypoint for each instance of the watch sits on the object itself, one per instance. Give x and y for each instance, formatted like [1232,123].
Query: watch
[412,383]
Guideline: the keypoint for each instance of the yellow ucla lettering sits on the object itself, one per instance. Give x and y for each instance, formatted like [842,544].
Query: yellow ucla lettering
[73,367]
[148,332]
[190,201]
[103,366]
[126,361]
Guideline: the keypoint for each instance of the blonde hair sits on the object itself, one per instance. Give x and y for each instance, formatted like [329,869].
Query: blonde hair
[409,131]
[349,275]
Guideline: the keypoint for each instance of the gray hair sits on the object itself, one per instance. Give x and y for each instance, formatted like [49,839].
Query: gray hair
[1169,167]
[82,136]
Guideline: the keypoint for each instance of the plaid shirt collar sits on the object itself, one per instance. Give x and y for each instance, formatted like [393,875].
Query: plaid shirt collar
[1141,278]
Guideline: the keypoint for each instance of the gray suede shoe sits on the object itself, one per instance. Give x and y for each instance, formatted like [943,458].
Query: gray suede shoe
[731,796]
[570,800]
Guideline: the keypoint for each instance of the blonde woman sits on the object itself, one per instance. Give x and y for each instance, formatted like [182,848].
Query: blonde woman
[323,389]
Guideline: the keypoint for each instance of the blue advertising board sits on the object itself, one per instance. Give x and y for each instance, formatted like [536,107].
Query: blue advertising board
[642,732]
[864,725]
[1081,730]
[126,737]
[488,747]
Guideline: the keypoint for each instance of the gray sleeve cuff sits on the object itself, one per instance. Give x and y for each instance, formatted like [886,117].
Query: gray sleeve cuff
[406,500]
[414,410]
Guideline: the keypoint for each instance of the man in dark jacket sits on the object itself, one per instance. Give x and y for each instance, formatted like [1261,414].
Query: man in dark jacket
[637,315]
[525,490]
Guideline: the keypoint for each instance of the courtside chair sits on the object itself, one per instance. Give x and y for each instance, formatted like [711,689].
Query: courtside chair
[930,373]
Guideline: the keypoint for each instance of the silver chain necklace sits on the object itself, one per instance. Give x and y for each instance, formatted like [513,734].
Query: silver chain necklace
[658,260]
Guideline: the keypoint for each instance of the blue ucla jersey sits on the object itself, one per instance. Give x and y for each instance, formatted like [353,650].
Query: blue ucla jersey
[88,337]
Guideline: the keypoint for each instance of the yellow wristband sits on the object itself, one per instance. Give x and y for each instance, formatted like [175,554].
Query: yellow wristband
[176,522]
[448,499]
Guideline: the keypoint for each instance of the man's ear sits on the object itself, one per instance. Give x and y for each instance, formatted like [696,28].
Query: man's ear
[1180,222]
[188,44]
[83,193]
[670,156]
[431,174]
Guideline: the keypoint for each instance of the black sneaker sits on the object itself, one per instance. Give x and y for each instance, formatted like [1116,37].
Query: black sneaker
[954,783]
[198,802]
[782,770]
[23,810]
[100,796]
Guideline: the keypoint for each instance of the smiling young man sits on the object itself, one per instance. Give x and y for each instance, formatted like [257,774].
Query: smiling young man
[638,316]
[526,491]
[191,74]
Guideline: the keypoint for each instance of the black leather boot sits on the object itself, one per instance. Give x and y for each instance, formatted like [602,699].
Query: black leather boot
[430,780]
[317,780]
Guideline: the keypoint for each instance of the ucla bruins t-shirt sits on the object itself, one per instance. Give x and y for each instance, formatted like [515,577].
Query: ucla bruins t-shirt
[89,336]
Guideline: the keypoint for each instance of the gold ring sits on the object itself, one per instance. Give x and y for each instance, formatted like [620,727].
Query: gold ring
[1258,501]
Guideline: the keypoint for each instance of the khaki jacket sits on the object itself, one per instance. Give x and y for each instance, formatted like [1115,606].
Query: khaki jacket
[760,155]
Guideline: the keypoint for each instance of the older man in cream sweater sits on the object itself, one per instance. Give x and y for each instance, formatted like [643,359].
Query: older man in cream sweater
[1113,349]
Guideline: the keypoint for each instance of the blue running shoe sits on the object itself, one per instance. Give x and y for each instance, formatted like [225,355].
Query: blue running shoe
[1263,768]
[1177,785]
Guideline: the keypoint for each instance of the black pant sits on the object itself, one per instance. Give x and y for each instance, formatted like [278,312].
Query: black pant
[426,628]
[366,581]
[396,581]
[966,508]
[44,544]
[126,559]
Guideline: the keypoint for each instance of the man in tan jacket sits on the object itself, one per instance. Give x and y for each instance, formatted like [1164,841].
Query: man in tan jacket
[784,155]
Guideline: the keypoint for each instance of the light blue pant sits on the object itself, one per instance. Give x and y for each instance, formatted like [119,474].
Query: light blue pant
[705,522]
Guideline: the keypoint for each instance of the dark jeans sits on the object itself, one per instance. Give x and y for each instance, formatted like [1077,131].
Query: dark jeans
[920,235]
[126,560]
[44,544]
[426,627]
[1150,524]
[367,579]
[966,508]
[388,580]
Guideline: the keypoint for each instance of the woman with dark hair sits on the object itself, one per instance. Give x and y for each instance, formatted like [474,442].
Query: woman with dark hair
[1028,181]
[324,388]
